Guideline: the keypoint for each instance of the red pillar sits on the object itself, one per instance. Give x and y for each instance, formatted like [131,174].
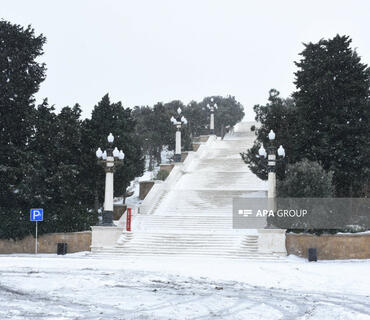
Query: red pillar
[128,222]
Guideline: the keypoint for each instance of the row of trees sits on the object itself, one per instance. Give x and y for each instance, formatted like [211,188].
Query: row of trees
[155,131]
[326,120]
[47,160]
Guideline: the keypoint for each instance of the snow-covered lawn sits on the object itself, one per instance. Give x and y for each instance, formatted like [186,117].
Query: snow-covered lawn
[79,286]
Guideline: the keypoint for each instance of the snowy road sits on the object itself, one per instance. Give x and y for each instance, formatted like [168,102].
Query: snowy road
[79,287]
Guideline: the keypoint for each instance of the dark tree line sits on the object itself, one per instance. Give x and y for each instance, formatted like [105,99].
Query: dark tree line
[47,159]
[326,120]
[156,131]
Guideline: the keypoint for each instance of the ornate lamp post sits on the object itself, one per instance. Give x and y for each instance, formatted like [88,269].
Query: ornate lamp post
[212,107]
[109,159]
[271,162]
[178,122]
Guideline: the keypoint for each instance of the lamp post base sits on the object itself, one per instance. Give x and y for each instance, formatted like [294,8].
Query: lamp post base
[211,131]
[177,157]
[107,218]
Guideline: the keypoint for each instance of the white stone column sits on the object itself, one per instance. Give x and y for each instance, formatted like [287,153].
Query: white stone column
[271,185]
[271,193]
[178,142]
[177,157]
[108,199]
[212,124]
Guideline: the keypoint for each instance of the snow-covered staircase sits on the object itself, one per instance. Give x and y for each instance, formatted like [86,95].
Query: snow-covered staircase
[190,214]
[188,244]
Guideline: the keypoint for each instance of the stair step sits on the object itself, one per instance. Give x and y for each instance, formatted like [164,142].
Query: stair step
[259,256]
[241,253]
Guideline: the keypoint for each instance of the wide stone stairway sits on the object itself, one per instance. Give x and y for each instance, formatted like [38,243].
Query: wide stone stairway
[190,213]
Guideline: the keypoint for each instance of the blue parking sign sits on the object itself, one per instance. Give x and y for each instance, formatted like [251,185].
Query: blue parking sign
[37,215]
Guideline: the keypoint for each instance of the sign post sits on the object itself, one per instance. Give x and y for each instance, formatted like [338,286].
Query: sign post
[36,244]
[36,215]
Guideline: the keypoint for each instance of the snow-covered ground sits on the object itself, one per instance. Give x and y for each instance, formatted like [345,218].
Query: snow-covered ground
[80,286]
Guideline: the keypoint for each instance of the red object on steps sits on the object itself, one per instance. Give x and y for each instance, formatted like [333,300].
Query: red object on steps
[128,222]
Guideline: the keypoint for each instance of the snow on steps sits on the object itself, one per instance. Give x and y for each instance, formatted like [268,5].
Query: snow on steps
[200,202]
[187,244]
[160,189]
[176,223]
[190,213]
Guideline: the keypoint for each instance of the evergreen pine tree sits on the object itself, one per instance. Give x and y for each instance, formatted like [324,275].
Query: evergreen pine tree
[328,120]
[58,184]
[68,205]
[198,118]
[332,100]
[20,77]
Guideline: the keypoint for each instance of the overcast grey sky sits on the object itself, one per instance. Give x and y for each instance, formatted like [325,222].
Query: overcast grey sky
[142,52]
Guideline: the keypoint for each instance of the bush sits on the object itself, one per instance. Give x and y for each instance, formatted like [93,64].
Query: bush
[306,179]
[162,175]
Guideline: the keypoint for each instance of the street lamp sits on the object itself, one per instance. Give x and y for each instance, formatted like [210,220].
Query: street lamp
[178,122]
[109,159]
[271,162]
[212,107]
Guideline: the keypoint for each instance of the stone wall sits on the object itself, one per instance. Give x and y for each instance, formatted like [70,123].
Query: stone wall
[144,189]
[118,211]
[167,167]
[329,247]
[196,146]
[203,138]
[184,155]
[47,243]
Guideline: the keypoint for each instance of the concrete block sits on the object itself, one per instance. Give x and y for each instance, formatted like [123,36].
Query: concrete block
[118,211]
[166,167]
[144,188]
[203,138]
[105,236]
[196,146]
[184,155]
[272,241]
